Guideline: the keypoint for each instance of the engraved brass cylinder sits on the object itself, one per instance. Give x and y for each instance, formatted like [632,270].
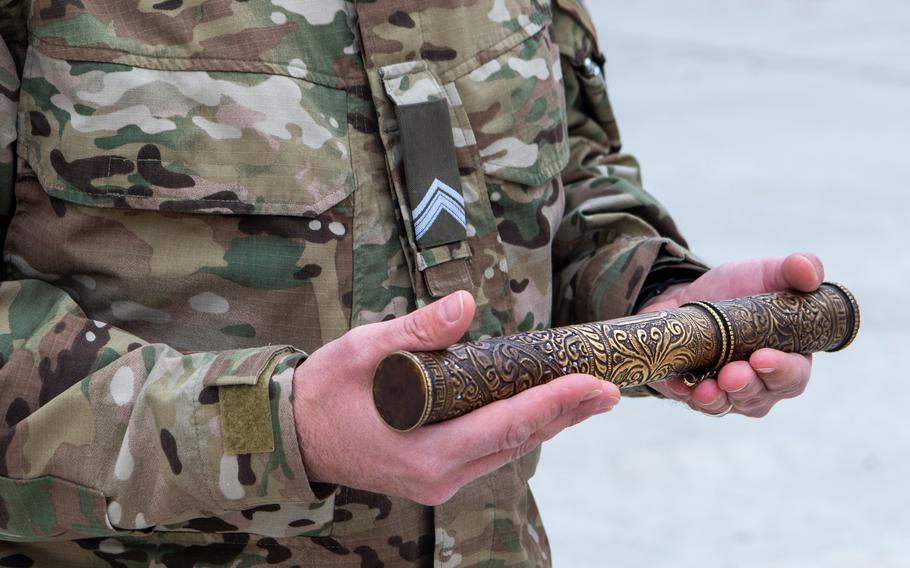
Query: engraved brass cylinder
[413,389]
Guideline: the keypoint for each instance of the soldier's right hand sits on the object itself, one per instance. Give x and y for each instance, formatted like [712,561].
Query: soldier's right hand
[343,440]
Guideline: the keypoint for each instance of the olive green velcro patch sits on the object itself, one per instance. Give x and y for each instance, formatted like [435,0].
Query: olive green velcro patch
[246,416]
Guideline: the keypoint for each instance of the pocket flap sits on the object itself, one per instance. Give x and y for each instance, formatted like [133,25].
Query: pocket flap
[113,135]
[516,108]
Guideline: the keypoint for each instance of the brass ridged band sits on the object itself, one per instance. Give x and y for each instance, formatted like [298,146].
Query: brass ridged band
[731,337]
[854,313]
[428,384]
[724,329]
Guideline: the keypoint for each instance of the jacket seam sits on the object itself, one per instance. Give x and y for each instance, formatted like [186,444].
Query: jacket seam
[328,81]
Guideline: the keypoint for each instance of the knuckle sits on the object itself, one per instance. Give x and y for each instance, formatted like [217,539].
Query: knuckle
[526,448]
[573,419]
[554,405]
[753,401]
[357,335]
[567,420]
[519,451]
[357,347]
[791,390]
[513,455]
[758,412]
[516,434]
[355,340]
[564,407]
[418,326]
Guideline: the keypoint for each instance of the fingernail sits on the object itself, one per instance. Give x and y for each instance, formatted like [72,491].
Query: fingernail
[765,370]
[608,404]
[814,265]
[452,308]
[593,394]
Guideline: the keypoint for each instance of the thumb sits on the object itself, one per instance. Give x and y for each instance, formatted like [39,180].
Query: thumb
[803,271]
[436,326]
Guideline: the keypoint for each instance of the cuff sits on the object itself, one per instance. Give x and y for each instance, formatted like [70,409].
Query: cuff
[610,283]
[258,460]
[662,278]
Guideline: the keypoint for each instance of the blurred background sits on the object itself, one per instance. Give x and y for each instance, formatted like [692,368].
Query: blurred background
[766,127]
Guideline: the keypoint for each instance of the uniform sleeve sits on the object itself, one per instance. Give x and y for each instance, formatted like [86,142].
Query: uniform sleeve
[102,431]
[12,43]
[615,241]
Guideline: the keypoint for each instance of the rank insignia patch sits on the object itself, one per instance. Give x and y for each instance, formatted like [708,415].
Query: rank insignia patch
[431,174]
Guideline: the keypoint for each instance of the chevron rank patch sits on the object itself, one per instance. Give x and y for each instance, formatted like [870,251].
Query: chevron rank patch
[431,173]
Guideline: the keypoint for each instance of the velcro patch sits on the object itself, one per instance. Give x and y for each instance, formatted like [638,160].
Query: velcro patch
[246,417]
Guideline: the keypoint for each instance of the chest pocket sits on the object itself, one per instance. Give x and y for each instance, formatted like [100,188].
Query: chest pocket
[515,105]
[210,142]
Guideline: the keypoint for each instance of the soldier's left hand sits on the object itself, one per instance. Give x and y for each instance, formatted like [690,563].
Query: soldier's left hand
[748,387]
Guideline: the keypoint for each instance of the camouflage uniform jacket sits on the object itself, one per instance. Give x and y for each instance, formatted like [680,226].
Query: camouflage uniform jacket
[199,192]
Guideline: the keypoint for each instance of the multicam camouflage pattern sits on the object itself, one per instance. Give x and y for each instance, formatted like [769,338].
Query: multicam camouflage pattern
[201,183]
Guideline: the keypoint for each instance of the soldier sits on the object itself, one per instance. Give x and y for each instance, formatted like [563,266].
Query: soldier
[199,193]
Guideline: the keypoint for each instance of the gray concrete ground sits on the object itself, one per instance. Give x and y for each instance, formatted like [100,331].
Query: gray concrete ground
[767,127]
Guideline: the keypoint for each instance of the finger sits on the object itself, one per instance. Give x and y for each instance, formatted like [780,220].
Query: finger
[510,423]
[783,374]
[436,326]
[744,389]
[738,378]
[487,464]
[708,397]
[674,388]
[706,393]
